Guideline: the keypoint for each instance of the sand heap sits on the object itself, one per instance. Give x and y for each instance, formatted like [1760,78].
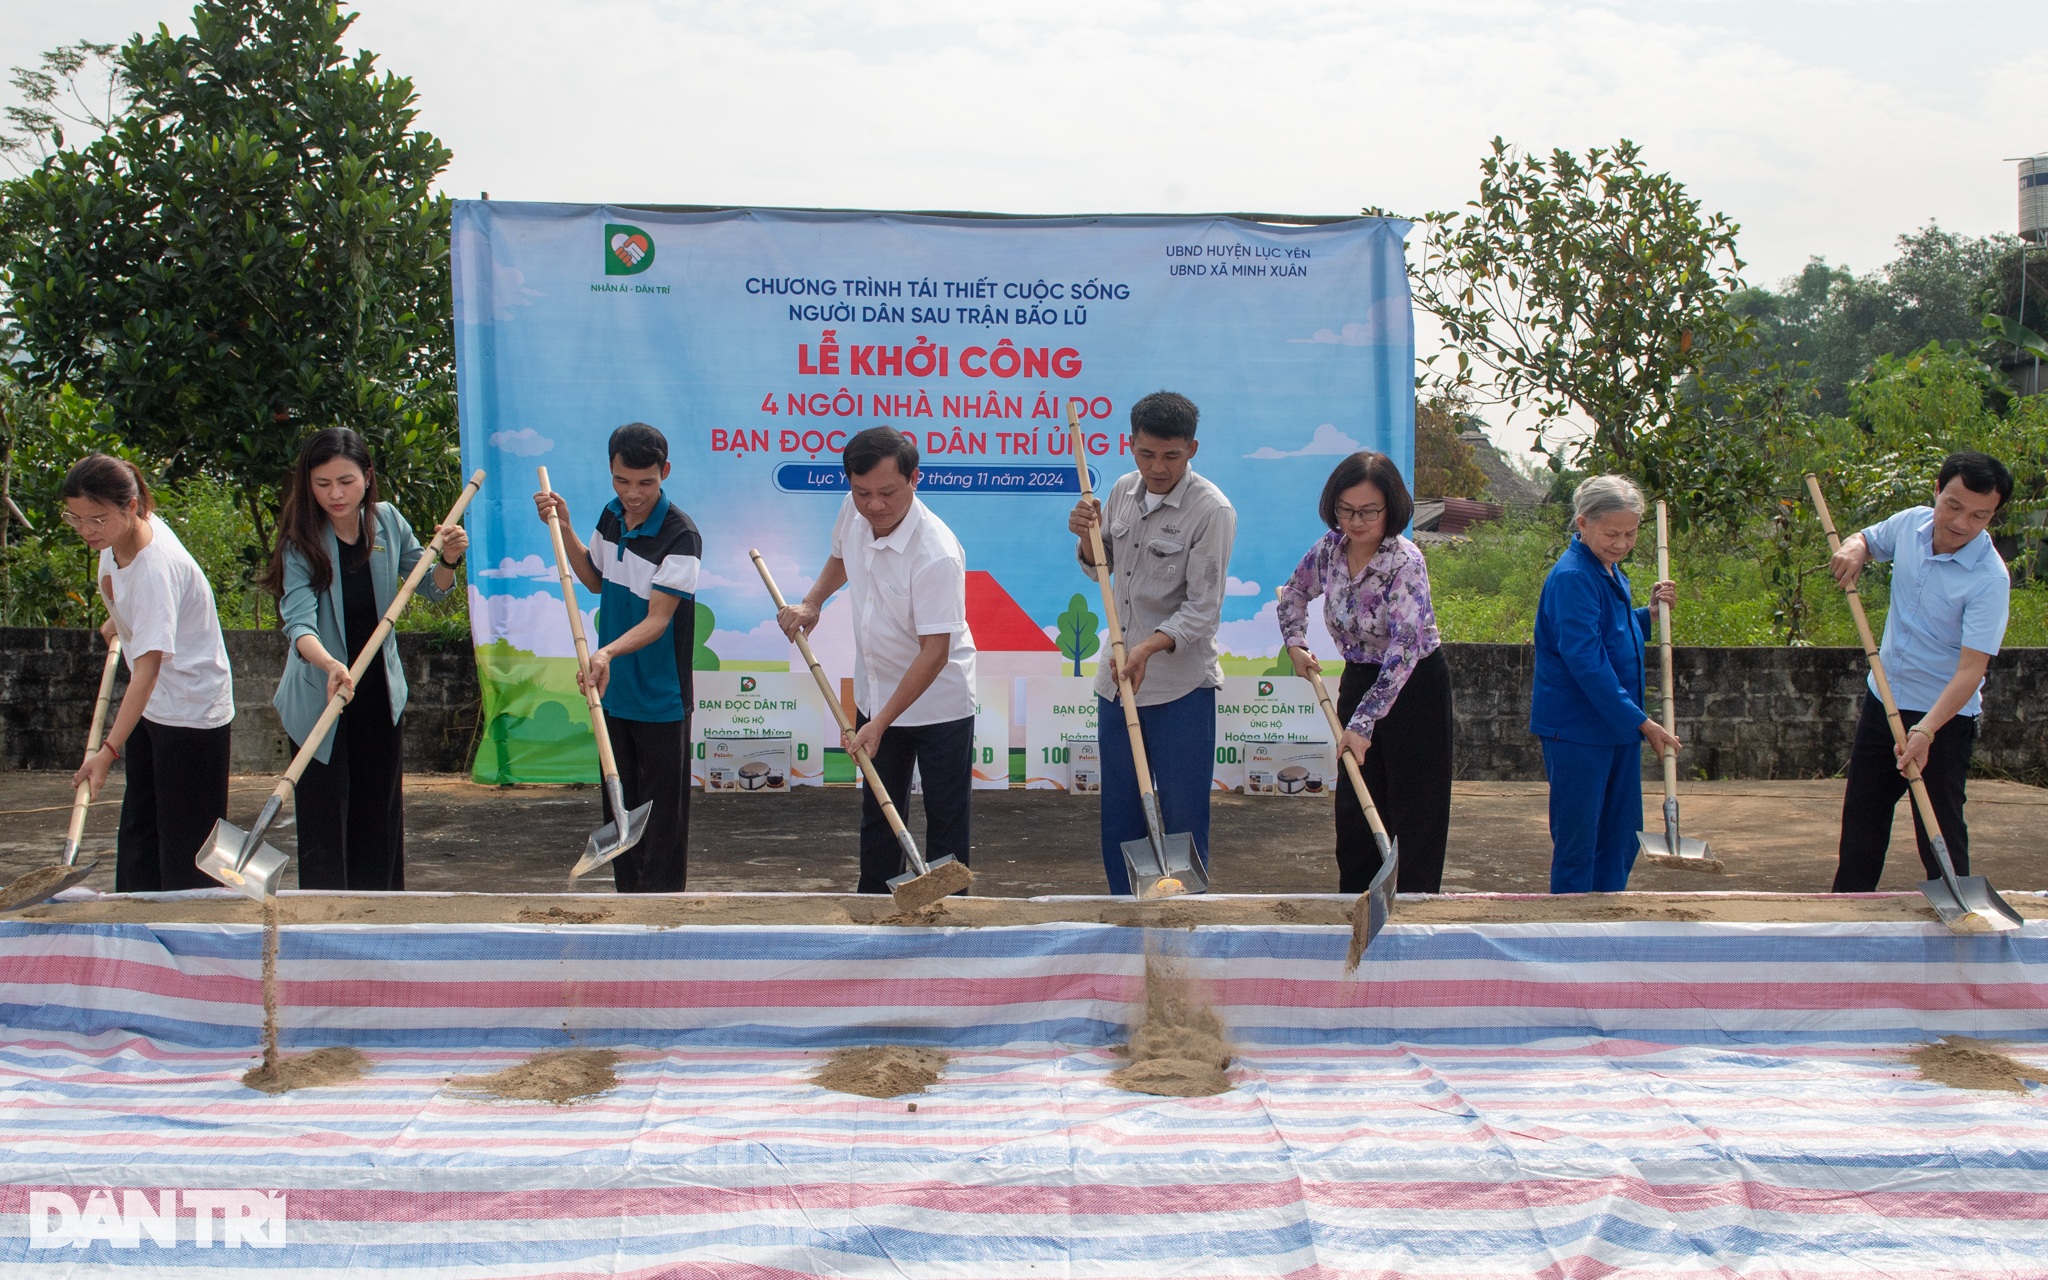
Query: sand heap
[561,1077]
[883,1071]
[36,885]
[1963,1063]
[277,1073]
[1180,1050]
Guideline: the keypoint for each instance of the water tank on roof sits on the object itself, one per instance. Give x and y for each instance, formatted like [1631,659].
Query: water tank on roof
[2034,198]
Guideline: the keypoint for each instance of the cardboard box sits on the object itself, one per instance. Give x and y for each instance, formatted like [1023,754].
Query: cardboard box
[1289,768]
[757,766]
[1084,765]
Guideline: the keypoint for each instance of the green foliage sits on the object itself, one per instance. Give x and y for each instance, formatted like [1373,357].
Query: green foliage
[1588,288]
[1485,590]
[250,251]
[1077,631]
[1443,463]
[1832,326]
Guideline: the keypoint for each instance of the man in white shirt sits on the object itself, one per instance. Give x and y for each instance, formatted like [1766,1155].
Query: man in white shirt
[913,656]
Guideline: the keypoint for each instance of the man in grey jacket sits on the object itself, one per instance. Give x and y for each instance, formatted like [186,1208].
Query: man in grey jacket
[1168,534]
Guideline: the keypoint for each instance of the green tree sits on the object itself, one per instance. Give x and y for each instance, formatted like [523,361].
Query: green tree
[1077,627]
[1443,463]
[1586,288]
[250,251]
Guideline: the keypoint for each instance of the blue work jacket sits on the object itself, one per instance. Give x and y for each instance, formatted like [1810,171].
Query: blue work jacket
[1589,654]
[302,694]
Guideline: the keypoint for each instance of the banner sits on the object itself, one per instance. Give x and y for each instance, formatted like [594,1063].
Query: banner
[758,340]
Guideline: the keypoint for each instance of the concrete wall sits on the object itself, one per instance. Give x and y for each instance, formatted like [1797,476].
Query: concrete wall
[1744,713]
[48,678]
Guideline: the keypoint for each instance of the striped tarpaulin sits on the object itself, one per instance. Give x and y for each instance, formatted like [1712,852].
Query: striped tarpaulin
[1556,1100]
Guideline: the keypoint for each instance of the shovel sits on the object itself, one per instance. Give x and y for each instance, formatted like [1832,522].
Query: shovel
[1160,865]
[613,838]
[240,859]
[922,883]
[1368,914]
[47,882]
[1667,846]
[1966,904]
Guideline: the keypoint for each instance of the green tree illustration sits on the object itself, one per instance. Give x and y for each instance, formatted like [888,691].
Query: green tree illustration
[1077,631]
[701,657]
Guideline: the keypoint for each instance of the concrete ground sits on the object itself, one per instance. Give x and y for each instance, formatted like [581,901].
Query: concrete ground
[1777,836]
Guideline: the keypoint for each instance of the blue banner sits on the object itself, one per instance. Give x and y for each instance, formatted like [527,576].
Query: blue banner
[759,340]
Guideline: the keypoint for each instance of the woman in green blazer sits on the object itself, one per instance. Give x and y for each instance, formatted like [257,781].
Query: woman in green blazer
[332,585]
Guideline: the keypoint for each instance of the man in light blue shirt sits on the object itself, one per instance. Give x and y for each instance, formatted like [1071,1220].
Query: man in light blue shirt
[1948,608]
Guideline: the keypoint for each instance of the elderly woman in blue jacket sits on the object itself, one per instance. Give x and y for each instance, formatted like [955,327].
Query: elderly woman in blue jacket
[1588,702]
[339,559]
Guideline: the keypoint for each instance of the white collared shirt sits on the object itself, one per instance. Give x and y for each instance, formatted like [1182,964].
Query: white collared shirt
[912,583]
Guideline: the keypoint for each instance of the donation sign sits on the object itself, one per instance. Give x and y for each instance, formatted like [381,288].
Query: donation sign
[759,340]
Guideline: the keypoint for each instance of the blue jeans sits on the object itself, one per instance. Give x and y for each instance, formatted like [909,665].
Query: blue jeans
[1596,809]
[1180,743]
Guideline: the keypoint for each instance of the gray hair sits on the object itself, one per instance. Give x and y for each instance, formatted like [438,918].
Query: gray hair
[1598,496]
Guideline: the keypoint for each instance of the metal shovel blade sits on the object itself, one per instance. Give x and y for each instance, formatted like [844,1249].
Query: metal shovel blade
[40,886]
[258,877]
[1369,913]
[608,842]
[915,890]
[1972,906]
[1675,849]
[1167,869]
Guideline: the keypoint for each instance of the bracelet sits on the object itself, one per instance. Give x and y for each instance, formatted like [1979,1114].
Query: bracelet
[1922,732]
[446,563]
[109,745]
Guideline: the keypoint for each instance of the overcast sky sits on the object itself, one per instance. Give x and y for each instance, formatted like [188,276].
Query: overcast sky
[1823,128]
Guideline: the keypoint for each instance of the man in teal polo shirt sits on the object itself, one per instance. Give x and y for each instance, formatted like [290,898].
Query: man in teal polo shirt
[1948,608]
[643,563]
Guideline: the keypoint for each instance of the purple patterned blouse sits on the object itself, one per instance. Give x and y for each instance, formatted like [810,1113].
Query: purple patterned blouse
[1381,616]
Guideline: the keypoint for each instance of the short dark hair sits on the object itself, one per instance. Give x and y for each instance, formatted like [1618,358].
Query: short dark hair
[1167,415]
[1369,466]
[639,446]
[867,449]
[1979,472]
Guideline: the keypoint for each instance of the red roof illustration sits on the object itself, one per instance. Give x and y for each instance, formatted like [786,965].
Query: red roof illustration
[998,622]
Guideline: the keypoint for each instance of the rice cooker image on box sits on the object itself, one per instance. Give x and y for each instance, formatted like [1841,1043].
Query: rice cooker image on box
[758,765]
[1084,766]
[1287,768]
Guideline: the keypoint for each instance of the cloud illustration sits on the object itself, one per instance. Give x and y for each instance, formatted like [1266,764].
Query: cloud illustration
[1386,322]
[530,567]
[1237,586]
[525,442]
[1327,442]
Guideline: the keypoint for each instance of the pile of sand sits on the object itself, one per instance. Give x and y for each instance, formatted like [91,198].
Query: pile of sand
[556,915]
[561,1077]
[1180,1050]
[1963,1063]
[331,1066]
[35,886]
[883,1071]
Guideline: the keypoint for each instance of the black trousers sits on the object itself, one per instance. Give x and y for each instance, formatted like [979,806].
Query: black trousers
[943,755]
[351,810]
[1407,772]
[1875,786]
[177,789]
[654,768]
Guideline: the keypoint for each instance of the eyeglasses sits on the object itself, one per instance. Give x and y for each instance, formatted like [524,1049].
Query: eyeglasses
[94,523]
[1359,515]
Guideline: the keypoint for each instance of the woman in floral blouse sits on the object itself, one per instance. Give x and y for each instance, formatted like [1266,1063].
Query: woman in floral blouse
[1395,698]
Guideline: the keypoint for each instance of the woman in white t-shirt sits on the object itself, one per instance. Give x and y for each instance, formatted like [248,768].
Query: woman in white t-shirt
[172,730]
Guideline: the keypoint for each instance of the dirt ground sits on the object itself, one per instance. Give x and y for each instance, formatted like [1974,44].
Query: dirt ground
[1770,836]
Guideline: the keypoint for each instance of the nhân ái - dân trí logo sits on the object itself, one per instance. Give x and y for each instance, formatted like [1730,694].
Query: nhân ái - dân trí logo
[627,250]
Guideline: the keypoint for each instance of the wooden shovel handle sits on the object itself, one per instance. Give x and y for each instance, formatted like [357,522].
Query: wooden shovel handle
[93,738]
[803,646]
[373,648]
[1669,753]
[1126,695]
[1350,763]
[1921,801]
[607,765]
